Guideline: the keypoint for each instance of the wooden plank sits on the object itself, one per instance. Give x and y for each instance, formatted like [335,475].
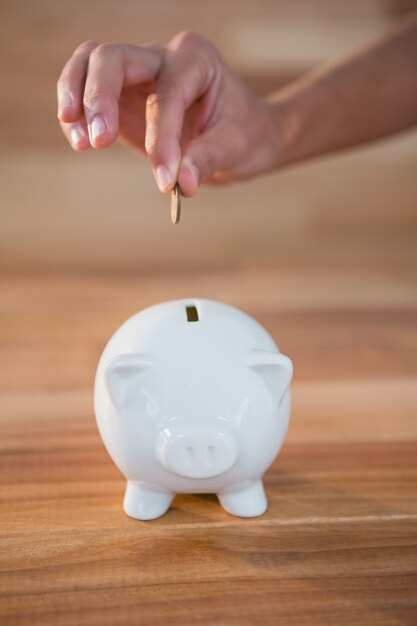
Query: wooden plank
[338,544]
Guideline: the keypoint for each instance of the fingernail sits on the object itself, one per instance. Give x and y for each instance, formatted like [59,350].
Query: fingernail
[76,135]
[163,177]
[97,127]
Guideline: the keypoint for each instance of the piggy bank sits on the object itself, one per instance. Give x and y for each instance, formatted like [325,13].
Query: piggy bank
[192,396]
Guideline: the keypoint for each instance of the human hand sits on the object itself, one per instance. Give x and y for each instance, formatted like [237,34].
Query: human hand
[180,104]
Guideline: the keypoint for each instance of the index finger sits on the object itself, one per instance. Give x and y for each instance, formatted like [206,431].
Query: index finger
[70,86]
[189,70]
[112,67]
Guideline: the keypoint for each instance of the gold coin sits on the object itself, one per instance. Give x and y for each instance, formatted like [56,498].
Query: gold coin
[176,204]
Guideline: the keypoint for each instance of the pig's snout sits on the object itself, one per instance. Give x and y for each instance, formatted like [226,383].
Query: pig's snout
[198,454]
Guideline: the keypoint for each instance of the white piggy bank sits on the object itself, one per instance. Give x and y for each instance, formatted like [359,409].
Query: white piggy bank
[192,396]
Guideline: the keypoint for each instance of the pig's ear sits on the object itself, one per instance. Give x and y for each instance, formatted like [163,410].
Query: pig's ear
[121,371]
[275,370]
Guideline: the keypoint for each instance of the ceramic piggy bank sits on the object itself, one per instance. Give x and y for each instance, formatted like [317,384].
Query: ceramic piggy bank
[192,396]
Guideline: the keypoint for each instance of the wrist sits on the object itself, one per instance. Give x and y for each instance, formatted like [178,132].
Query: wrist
[288,126]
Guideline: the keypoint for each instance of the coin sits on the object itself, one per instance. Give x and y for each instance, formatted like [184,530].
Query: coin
[176,204]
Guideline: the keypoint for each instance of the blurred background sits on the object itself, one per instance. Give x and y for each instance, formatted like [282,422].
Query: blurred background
[102,210]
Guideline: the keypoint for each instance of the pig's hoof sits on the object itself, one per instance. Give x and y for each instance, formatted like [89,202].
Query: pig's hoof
[249,502]
[144,503]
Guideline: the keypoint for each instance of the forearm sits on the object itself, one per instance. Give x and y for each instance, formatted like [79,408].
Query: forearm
[369,95]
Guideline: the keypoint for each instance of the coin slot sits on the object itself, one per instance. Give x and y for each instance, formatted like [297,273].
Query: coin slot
[192,313]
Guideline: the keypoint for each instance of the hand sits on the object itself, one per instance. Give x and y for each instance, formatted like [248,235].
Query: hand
[179,103]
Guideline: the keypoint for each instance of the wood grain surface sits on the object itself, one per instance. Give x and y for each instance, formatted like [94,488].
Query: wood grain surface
[338,544]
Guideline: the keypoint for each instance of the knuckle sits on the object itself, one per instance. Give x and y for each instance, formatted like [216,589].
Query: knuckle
[92,99]
[104,51]
[98,98]
[197,49]
[86,47]
[187,38]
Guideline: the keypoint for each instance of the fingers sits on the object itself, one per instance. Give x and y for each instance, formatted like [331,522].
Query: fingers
[77,135]
[101,93]
[132,119]
[164,119]
[110,68]
[187,73]
[90,86]
[70,87]
[215,151]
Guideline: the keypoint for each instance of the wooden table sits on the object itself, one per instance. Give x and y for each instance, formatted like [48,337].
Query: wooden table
[338,544]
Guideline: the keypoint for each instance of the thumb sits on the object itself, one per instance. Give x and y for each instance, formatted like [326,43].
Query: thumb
[220,149]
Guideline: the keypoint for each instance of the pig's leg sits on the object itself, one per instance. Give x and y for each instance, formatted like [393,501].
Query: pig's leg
[248,502]
[144,502]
